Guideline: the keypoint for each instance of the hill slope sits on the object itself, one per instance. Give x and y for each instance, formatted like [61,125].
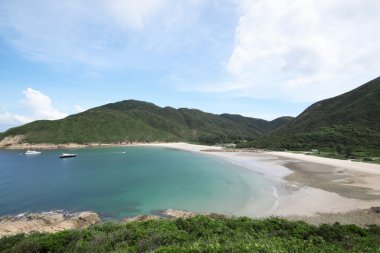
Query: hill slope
[133,120]
[351,119]
[201,234]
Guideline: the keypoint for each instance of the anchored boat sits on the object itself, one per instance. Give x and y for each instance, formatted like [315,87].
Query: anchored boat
[63,155]
[32,152]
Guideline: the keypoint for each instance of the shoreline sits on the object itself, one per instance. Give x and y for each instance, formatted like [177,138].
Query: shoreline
[314,189]
[51,222]
[47,146]
[59,220]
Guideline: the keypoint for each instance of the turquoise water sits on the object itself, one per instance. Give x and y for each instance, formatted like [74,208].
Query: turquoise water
[126,181]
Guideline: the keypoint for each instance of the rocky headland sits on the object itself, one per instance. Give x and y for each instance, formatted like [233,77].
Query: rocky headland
[46,222]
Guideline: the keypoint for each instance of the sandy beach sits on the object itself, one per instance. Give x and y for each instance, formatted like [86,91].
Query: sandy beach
[315,184]
[315,189]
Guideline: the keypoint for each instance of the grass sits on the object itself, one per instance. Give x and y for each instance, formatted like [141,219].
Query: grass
[202,234]
[360,156]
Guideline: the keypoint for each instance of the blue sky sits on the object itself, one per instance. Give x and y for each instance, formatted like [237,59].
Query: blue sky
[261,59]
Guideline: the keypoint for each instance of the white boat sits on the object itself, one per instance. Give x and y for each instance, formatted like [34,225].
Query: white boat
[63,155]
[32,152]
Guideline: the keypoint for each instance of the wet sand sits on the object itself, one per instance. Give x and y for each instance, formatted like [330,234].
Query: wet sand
[314,189]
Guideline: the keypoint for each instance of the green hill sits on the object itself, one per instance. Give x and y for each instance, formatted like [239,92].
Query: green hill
[350,120]
[133,120]
[261,126]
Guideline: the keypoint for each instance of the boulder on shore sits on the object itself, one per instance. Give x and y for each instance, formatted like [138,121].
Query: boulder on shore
[46,222]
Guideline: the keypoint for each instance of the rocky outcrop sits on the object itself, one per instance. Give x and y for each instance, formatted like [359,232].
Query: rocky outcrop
[170,213]
[11,140]
[58,220]
[375,209]
[46,222]
[162,214]
[141,218]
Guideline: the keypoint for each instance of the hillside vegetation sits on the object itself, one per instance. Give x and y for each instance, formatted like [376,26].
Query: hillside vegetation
[133,120]
[202,234]
[351,121]
[346,124]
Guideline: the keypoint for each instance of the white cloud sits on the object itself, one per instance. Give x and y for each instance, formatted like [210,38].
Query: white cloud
[96,35]
[304,50]
[40,105]
[7,118]
[79,108]
[131,13]
[301,50]
[37,106]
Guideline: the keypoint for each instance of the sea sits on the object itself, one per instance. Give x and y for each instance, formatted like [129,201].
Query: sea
[119,182]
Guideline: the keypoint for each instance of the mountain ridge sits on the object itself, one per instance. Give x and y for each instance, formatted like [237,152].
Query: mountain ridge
[133,120]
[351,119]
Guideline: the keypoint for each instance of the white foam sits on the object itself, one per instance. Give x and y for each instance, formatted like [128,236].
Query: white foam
[277,198]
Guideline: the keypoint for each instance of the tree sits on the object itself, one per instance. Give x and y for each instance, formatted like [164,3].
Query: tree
[348,151]
[339,149]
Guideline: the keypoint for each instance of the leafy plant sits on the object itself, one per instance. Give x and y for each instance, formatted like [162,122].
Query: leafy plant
[202,234]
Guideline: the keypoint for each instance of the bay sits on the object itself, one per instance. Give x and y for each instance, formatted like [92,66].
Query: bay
[126,181]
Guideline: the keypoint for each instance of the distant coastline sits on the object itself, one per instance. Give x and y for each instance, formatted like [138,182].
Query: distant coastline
[17,143]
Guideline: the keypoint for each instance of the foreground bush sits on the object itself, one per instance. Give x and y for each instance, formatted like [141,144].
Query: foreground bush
[202,234]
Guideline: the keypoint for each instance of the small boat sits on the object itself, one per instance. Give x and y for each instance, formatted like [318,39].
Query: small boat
[67,155]
[32,152]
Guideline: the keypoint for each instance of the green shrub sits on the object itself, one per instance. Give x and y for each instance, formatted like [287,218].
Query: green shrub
[202,234]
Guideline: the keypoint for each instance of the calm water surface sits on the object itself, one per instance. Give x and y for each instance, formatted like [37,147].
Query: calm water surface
[126,181]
